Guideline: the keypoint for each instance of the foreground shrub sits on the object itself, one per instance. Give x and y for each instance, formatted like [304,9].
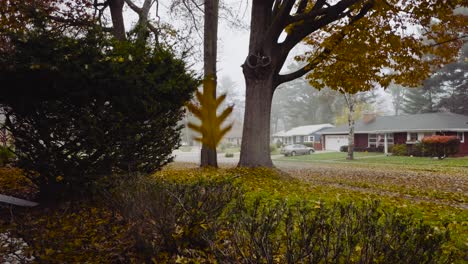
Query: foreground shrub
[75,234]
[93,107]
[13,182]
[417,150]
[170,217]
[400,150]
[441,146]
[6,156]
[273,231]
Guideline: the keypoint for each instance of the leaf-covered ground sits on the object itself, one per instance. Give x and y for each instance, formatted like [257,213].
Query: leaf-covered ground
[432,190]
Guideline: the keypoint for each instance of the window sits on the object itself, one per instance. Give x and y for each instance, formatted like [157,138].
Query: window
[372,140]
[412,136]
[311,138]
[376,140]
[461,136]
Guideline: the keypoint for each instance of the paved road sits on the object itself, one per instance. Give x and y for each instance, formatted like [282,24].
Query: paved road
[194,157]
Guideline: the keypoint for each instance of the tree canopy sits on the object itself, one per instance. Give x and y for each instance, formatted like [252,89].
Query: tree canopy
[379,42]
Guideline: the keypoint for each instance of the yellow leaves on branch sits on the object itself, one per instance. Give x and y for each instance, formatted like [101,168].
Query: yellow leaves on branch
[211,129]
[397,41]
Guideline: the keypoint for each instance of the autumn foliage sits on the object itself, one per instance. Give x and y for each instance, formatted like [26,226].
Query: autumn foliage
[441,146]
[210,129]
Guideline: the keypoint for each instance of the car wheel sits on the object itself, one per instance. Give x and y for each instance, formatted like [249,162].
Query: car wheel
[293,153]
[311,151]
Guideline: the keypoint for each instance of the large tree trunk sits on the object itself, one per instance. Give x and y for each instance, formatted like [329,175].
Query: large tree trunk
[208,155]
[255,148]
[260,85]
[116,7]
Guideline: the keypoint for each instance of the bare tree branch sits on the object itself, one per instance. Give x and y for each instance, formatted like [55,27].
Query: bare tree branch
[279,21]
[133,6]
[327,51]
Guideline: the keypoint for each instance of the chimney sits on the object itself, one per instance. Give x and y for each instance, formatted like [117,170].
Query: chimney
[368,117]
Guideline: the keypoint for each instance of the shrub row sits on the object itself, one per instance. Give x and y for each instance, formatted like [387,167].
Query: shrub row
[211,220]
[205,217]
[434,146]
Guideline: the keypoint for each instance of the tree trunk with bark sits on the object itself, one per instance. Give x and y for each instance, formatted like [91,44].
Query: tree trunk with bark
[118,29]
[208,155]
[350,100]
[259,72]
[267,55]
[256,137]
[351,122]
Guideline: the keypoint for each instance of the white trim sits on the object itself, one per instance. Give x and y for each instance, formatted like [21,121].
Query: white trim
[400,131]
[462,139]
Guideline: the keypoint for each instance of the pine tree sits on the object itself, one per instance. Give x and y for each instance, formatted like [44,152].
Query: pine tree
[420,100]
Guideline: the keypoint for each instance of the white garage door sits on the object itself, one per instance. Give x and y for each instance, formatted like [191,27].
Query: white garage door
[334,142]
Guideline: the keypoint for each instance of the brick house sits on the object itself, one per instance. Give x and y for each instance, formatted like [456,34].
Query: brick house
[385,131]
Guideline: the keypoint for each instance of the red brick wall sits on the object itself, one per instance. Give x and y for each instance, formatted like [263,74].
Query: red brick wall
[361,140]
[464,146]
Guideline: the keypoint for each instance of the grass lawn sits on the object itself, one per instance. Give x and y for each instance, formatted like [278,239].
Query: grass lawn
[379,160]
[327,156]
[417,161]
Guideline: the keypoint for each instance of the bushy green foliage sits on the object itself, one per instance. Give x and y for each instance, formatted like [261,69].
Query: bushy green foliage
[92,108]
[275,231]
[227,216]
[400,150]
[6,156]
[273,148]
[441,146]
[181,214]
[13,182]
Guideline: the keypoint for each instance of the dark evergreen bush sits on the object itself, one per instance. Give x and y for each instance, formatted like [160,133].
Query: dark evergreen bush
[80,108]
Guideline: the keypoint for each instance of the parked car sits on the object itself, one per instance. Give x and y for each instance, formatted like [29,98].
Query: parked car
[296,149]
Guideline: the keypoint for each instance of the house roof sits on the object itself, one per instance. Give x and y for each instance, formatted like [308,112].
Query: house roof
[281,133]
[302,130]
[443,121]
